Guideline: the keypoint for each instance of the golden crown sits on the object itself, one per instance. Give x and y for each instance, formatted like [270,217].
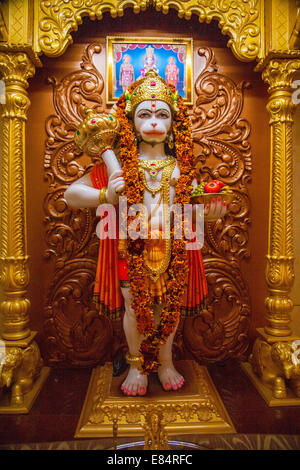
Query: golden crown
[151,87]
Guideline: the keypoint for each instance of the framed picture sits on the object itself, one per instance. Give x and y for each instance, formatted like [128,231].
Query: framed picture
[128,59]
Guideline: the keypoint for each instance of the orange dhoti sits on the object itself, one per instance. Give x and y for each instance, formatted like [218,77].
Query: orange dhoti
[154,253]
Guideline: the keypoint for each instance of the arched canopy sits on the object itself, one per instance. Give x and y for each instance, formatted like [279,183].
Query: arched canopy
[241,21]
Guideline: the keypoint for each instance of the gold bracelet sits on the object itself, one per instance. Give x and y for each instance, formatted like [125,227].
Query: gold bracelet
[134,361]
[122,248]
[102,196]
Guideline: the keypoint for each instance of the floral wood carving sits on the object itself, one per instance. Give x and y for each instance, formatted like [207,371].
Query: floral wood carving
[223,152]
[76,334]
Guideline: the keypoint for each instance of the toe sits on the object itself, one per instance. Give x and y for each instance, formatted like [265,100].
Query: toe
[180,384]
[142,391]
[174,385]
[129,390]
[125,385]
[167,386]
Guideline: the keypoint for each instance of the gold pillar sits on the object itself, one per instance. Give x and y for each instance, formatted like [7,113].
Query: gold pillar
[279,74]
[15,69]
[22,364]
[274,365]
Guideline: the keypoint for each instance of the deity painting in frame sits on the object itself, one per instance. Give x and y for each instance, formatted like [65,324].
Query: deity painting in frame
[128,59]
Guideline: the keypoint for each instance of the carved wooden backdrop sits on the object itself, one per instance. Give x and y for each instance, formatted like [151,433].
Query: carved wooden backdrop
[75,333]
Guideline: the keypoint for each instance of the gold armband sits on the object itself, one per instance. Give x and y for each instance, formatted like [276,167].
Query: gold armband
[122,248]
[102,196]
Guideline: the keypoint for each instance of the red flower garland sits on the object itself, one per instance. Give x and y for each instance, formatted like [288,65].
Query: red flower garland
[178,268]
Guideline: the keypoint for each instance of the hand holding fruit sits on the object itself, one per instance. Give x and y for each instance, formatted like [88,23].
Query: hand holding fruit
[215,196]
[216,209]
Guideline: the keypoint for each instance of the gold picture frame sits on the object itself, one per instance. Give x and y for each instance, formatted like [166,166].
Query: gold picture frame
[145,53]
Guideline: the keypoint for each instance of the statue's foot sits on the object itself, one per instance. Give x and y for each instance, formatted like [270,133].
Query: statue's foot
[169,377]
[135,383]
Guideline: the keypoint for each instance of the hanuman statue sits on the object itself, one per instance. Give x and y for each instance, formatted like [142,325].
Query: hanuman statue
[146,151]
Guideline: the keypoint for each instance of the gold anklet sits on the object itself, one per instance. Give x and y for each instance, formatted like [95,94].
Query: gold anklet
[134,361]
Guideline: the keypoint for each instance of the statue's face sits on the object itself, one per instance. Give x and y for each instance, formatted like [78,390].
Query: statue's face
[153,122]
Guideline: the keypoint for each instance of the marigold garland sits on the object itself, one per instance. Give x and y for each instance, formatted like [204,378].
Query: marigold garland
[178,267]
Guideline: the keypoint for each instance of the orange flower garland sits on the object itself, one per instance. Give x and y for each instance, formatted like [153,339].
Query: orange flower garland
[137,271]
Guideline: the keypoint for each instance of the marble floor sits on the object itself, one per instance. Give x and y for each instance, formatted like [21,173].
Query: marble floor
[52,420]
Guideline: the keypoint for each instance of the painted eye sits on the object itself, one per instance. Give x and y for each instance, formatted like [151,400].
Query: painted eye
[163,115]
[144,115]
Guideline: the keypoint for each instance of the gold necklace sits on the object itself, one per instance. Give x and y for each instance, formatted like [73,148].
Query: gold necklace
[153,167]
[167,167]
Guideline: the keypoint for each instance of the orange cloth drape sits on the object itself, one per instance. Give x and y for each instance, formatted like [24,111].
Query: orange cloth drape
[107,292]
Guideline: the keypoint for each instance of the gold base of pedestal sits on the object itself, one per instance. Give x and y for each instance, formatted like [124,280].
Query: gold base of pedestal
[196,408]
[20,343]
[266,392]
[274,339]
[28,398]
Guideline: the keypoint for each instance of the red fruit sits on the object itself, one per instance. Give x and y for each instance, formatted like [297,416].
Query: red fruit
[212,187]
[221,184]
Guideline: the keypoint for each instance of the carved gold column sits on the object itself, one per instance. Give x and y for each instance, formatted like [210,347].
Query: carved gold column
[275,360]
[279,74]
[15,69]
[20,357]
